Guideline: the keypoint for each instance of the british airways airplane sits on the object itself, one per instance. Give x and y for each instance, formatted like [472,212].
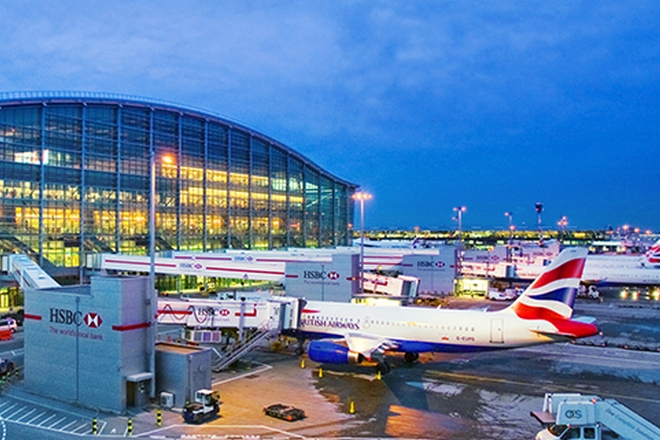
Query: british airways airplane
[344,333]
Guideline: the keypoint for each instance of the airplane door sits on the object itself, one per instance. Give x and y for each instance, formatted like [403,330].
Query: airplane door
[496,333]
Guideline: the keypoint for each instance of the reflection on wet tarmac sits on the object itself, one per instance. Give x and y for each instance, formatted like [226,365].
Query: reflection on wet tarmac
[408,422]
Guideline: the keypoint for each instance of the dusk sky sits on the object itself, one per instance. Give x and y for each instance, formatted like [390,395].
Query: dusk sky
[427,105]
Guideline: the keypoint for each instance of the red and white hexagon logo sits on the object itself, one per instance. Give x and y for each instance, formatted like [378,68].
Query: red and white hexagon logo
[224,312]
[93,320]
[333,275]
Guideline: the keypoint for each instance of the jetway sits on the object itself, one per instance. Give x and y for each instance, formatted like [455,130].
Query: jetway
[276,313]
[199,265]
[26,272]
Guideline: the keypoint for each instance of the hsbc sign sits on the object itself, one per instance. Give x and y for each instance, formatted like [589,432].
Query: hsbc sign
[93,320]
[320,275]
[69,317]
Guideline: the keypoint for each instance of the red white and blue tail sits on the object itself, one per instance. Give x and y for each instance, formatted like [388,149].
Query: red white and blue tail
[552,295]
[653,254]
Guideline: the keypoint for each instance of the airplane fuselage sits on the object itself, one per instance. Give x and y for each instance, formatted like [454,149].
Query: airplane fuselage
[420,329]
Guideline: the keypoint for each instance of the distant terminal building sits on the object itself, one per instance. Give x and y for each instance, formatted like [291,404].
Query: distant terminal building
[75,180]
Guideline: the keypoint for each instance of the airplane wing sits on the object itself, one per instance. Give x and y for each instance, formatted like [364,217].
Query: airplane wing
[366,344]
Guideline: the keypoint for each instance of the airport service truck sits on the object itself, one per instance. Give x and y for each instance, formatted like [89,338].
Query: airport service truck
[580,417]
[205,407]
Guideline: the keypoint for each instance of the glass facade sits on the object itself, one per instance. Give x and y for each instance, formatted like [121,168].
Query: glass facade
[75,180]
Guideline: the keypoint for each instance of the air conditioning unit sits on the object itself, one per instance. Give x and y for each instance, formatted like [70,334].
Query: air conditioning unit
[166,399]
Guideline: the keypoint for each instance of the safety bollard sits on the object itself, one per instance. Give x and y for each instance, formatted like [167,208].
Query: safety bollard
[302,363]
[378,375]
[129,426]
[95,428]
[320,372]
[159,417]
[351,407]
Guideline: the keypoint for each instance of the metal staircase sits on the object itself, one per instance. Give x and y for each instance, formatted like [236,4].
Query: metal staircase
[225,358]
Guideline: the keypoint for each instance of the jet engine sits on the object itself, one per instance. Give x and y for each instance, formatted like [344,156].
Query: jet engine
[333,353]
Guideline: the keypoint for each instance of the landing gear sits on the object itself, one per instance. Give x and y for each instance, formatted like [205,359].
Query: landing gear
[300,348]
[410,357]
[383,367]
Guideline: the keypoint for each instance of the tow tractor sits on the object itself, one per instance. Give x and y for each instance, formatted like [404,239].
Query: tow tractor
[205,407]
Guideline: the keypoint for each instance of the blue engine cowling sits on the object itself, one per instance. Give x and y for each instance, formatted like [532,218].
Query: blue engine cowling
[332,353]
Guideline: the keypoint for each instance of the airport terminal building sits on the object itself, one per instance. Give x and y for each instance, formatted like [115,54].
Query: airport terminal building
[75,180]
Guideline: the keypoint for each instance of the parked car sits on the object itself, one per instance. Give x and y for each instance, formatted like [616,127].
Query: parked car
[17,316]
[284,412]
[504,295]
[8,324]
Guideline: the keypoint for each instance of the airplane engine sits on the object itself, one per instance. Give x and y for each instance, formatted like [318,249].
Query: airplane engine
[332,353]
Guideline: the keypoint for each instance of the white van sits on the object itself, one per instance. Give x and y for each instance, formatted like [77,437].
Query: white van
[8,324]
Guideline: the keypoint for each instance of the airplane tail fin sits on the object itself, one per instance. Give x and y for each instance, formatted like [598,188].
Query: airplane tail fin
[552,295]
[653,254]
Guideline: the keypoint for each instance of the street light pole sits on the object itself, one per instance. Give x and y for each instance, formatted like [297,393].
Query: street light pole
[508,250]
[361,196]
[459,212]
[152,299]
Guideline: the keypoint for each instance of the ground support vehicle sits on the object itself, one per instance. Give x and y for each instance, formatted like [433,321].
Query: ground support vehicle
[284,412]
[588,292]
[206,406]
[6,368]
[503,295]
[579,417]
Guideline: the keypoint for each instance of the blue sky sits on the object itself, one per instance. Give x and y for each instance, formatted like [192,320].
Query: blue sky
[428,105]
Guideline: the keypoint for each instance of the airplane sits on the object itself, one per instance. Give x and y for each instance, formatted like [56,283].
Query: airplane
[653,255]
[343,333]
[629,271]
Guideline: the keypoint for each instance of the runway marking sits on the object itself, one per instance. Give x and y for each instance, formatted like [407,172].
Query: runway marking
[36,417]
[84,425]
[57,423]
[11,416]
[217,427]
[474,378]
[66,426]
[26,414]
[53,415]
[4,411]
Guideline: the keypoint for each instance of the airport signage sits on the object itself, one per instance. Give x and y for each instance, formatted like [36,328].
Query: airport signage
[69,317]
[430,264]
[320,275]
[191,266]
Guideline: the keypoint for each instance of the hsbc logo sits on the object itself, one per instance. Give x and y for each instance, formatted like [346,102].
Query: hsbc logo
[320,275]
[431,264]
[92,320]
[69,317]
[194,266]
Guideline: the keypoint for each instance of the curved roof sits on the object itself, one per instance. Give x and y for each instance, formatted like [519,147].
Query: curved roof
[80,97]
